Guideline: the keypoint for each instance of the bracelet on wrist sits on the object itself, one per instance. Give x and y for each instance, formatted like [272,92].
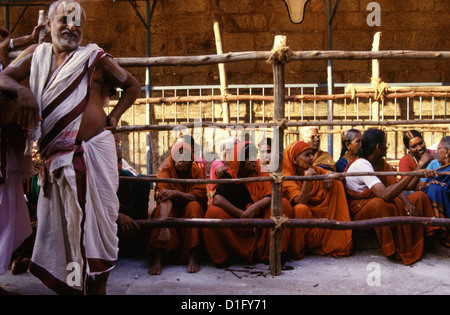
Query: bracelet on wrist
[11,44]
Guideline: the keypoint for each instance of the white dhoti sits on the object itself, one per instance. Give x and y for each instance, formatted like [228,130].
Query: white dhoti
[77,231]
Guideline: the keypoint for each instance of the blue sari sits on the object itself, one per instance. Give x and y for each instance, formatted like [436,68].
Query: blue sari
[440,196]
[341,164]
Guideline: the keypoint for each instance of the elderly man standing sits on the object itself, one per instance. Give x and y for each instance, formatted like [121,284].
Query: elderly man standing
[322,159]
[76,243]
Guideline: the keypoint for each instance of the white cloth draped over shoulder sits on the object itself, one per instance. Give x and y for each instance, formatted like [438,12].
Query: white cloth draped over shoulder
[78,206]
[61,98]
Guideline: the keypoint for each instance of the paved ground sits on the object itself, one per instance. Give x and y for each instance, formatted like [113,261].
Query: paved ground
[366,272]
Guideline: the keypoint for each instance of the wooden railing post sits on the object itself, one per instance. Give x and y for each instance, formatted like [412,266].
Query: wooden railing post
[222,72]
[277,192]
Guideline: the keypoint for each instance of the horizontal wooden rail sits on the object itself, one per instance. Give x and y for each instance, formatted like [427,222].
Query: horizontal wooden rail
[204,124]
[194,181]
[266,179]
[265,55]
[292,223]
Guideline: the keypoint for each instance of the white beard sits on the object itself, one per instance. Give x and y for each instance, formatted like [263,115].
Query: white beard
[66,43]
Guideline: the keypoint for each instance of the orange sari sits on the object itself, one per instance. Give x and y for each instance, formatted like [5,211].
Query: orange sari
[324,159]
[247,243]
[403,242]
[320,205]
[182,240]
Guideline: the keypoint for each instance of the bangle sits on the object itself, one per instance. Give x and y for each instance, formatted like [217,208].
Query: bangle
[11,44]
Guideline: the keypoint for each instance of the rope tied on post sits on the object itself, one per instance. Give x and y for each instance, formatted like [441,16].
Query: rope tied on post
[279,223]
[281,123]
[351,89]
[381,88]
[277,177]
[225,94]
[280,52]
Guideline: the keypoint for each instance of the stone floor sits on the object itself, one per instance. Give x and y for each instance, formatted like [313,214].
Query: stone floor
[366,272]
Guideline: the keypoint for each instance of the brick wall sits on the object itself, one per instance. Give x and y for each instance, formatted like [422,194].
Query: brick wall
[185,28]
[181,28]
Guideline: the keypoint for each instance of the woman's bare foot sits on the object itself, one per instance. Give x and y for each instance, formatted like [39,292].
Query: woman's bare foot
[193,266]
[156,266]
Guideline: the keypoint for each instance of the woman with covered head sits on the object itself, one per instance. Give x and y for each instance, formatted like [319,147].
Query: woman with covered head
[314,199]
[243,200]
[182,200]
[382,196]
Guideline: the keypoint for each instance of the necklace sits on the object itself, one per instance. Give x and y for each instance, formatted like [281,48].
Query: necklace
[414,159]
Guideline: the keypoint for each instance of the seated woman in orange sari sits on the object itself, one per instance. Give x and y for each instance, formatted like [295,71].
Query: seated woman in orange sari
[314,199]
[243,200]
[382,196]
[183,200]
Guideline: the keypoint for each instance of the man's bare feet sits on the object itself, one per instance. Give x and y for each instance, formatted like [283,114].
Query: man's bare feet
[97,285]
[20,266]
[156,266]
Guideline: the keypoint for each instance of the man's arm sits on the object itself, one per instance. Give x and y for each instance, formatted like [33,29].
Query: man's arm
[26,40]
[119,77]
[28,115]
[4,47]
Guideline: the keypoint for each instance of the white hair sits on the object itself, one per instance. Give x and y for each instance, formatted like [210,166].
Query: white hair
[446,142]
[305,129]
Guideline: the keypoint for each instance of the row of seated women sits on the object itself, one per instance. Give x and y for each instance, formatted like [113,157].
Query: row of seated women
[418,158]
[355,198]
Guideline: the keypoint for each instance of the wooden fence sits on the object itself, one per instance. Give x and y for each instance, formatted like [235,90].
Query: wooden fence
[278,57]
